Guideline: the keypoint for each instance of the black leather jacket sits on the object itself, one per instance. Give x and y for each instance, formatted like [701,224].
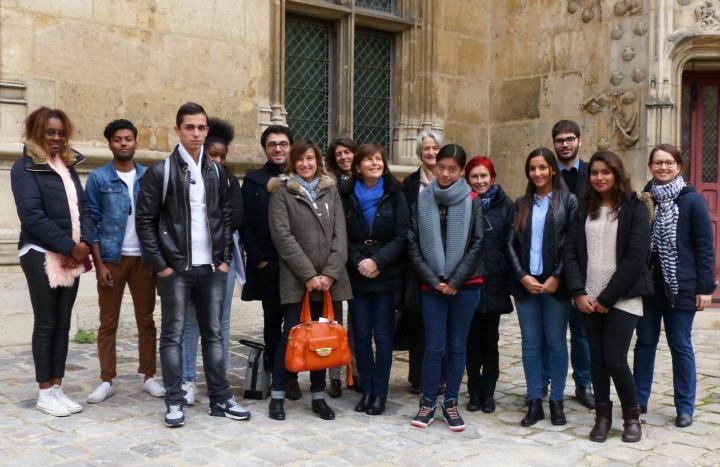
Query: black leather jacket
[472,264]
[164,227]
[557,223]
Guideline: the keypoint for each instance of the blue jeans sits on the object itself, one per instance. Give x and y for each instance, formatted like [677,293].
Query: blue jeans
[678,332]
[544,319]
[191,333]
[206,288]
[447,321]
[579,353]
[373,316]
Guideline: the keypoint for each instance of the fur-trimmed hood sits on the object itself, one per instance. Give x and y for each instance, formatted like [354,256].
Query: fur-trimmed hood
[39,156]
[292,185]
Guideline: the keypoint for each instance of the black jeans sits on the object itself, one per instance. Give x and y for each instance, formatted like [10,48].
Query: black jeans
[291,317]
[483,357]
[269,283]
[416,346]
[205,287]
[52,309]
[609,336]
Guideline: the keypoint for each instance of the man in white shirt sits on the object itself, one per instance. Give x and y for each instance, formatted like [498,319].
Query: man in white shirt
[184,225]
[111,192]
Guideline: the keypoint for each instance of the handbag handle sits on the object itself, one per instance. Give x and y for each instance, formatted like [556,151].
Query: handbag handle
[328,310]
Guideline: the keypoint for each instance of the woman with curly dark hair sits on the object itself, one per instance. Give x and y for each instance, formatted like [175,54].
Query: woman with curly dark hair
[55,234]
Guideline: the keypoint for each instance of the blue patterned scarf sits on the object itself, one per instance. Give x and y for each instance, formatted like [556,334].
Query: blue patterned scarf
[488,196]
[663,239]
[309,187]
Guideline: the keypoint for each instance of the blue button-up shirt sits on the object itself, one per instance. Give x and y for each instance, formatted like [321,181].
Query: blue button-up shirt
[540,209]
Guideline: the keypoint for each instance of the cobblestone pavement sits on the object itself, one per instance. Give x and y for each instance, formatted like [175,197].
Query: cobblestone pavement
[126,429]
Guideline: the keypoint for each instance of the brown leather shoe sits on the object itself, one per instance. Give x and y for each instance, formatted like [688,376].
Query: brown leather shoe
[603,421]
[632,432]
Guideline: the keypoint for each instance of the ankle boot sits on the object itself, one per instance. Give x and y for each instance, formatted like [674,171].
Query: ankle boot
[320,407]
[363,403]
[534,414]
[376,406]
[557,413]
[603,421]
[631,428]
[277,409]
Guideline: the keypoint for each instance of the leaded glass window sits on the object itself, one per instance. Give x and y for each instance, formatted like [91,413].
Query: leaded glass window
[307,78]
[382,5]
[710,135]
[371,112]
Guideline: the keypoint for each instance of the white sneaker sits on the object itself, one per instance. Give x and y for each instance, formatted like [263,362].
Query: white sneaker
[102,392]
[154,388]
[190,392]
[71,405]
[51,405]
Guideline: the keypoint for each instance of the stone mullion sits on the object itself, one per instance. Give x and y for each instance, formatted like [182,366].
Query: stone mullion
[278,114]
[344,72]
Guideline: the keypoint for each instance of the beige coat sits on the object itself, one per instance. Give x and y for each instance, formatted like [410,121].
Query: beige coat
[310,238]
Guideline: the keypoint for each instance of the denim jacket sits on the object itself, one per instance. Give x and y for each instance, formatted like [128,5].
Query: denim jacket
[109,203]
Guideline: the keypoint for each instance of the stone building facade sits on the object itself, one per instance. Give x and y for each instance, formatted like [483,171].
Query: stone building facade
[492,76]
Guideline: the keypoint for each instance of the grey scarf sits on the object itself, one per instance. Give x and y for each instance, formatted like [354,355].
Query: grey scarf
[456,197]
[309,187]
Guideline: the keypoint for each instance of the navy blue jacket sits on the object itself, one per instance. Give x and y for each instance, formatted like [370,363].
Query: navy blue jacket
[385,242]
[498,275]
[696,250]
[42,205]
[109,204]
[255,231]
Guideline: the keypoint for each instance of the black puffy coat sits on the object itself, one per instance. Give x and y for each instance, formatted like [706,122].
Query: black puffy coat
[42,205]
[632,276]
[385,243]
[557,223]
[498,275]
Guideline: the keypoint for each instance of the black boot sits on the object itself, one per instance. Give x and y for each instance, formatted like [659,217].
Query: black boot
[363,403]
[473,404]
[534,414]
[277,409]
[487,404]
[320,407]
[557,413]
[335,389]
[376,406]
[585,396]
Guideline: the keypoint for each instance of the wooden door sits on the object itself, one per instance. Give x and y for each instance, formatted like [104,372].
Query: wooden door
[701,146]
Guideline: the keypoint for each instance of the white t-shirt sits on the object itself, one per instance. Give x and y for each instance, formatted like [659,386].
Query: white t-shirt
[131,244]
[200,248]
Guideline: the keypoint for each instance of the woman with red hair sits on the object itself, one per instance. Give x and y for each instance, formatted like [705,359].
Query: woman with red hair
[483,358]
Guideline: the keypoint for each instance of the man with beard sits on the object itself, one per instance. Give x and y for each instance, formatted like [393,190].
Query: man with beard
[111,193]
[567,143]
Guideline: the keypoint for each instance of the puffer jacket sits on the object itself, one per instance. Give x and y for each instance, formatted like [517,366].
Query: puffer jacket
[310,237]
[385,243]
[632,276]
[498,278]
[471,265]
[163,228]
[42,203]
[557,224]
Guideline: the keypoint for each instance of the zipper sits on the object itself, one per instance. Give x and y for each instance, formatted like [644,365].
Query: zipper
[207,221]
[186,192]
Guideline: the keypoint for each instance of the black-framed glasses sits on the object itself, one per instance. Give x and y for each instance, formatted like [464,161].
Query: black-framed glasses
[278,144]
[568,140]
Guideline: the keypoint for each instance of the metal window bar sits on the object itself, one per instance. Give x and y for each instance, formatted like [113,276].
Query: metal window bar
[307,78]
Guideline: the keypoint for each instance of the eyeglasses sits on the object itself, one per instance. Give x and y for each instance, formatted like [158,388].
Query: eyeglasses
[50,133]
[568,140]
[668,164]
[276,144]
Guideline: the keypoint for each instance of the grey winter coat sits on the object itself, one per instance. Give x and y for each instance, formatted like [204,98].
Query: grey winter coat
[310,238]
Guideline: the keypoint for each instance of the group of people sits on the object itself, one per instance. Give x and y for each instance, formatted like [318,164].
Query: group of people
[431,261]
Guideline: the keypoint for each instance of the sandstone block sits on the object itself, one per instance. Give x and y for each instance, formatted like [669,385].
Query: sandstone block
[516,99]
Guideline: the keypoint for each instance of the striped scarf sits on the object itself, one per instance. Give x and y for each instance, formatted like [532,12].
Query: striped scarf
[663,239]
[443,261]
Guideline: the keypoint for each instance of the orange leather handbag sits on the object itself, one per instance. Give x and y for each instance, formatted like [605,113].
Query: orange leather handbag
[316,345]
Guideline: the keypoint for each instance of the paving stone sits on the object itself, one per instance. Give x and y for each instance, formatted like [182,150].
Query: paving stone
[680,452]
[155,449]
[551,438]
[625,454]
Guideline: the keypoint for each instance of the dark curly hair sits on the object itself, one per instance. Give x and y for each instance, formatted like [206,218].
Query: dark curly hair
[620,190]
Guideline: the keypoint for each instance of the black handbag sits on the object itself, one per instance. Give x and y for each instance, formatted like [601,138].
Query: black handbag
[257,373]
